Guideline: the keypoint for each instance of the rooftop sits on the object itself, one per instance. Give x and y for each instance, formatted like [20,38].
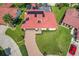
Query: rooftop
[72,18]
[5,10]
[7,5]
[40,19]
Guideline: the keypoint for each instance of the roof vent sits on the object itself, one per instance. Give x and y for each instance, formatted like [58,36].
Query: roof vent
[39,21]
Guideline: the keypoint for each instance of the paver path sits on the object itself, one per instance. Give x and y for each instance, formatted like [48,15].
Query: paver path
[30,43]
[7,43]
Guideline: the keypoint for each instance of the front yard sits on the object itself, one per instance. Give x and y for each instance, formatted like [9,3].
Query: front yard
[54,42]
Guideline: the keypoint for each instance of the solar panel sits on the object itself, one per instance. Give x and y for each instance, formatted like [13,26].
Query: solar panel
[35,12]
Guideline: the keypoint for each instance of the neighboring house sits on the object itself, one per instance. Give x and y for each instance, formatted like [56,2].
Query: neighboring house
[14,12]
[36,19]
[71,18]
[6,5]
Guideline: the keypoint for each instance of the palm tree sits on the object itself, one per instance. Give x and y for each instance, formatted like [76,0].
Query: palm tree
[8,18]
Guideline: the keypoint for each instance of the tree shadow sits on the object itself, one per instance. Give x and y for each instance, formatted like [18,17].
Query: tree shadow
[7,51]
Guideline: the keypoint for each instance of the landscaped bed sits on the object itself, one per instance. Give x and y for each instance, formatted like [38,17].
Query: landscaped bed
[54,42]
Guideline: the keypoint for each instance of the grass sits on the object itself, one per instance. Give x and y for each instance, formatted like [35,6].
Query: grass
[18,36]
[59,13]
[54,42]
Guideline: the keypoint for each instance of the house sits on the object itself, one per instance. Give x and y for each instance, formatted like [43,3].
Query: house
[71,18]
[36,19]
[14,12]
[6,5]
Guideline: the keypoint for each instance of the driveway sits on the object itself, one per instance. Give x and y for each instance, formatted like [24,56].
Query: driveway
[30,43]
[7,43]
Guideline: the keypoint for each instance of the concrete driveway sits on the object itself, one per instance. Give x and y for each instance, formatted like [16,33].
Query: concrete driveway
[30,43]
[7,43]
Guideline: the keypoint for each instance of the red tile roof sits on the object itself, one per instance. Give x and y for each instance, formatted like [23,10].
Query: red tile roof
[3,11]
[6,5]
[72,18]
[49,21]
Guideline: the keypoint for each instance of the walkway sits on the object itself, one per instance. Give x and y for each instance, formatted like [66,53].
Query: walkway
[7,43]
[30,43]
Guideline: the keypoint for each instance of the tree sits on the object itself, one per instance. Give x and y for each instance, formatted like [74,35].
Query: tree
[8,18]
[19,5]
[76,6]
[60,5]
[2,53]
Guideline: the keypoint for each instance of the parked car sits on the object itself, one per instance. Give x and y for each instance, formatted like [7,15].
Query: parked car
[72,49]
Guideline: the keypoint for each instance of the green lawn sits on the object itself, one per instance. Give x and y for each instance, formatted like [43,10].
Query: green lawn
[17,36]
[54,42]
[59,13]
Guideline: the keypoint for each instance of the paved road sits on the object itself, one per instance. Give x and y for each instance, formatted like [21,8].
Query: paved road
[7,43]
[30,43]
